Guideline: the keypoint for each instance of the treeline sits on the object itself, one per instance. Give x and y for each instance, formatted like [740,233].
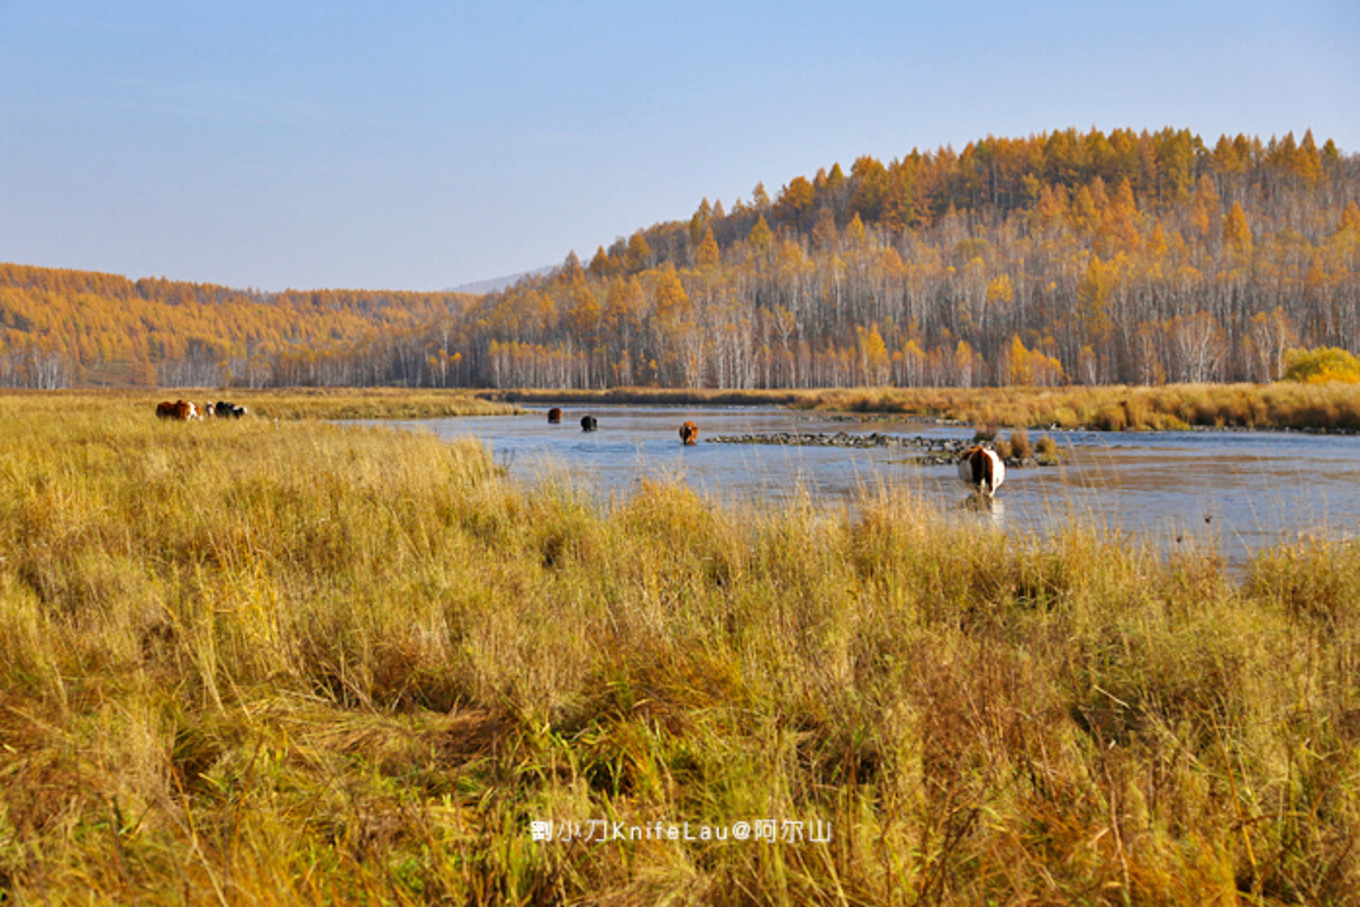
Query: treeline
[60,328]
[1061,258]
[1090,258]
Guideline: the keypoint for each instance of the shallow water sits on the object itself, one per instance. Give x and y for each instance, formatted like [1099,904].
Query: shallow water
[1234,492]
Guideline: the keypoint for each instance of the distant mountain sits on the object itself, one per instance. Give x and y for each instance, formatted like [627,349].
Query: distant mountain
[495,284]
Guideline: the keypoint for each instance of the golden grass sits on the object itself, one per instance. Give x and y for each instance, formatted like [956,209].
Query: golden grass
[290,403]
[248,662]
[1332,407]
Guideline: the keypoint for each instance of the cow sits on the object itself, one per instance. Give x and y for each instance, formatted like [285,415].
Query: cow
[555,415]
[209,410]
[982,470]
[689,433]
[588,423]
[224,409]
[180,409]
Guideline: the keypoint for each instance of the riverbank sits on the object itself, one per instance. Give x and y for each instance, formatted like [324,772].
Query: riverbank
[298,662]
[1281,405]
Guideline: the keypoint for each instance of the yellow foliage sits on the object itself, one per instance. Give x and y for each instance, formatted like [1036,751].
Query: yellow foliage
[1001,290]
[1236,232]
[1031,367]
[707,254]
[1322,366]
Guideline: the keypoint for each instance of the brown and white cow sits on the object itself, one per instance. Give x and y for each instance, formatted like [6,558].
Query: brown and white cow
[689,434]
[982,469]
[180,409]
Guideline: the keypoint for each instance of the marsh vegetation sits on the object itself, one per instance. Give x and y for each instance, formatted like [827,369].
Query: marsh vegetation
[294,662]
[1281,405]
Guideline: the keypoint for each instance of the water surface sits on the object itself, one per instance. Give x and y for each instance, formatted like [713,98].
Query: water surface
[1233,491]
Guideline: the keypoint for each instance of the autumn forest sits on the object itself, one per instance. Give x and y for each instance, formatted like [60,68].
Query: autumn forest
[1067,257]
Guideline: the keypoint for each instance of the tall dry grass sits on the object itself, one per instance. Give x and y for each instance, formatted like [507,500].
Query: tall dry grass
[1332,407]
[286,403]
[244,662]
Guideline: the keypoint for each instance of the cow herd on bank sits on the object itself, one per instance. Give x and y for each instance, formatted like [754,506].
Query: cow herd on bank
[184,410]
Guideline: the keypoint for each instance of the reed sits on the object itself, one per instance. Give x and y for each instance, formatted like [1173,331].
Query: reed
[1046,449]
[246,661]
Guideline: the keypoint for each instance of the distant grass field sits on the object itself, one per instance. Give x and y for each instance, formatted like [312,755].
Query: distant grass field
[289,403]
[293,662]
[1331,407]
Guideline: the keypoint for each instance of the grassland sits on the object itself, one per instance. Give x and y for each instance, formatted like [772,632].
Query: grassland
[293,403]
[1328,407]
[279,663]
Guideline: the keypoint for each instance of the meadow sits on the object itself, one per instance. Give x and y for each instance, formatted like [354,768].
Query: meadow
[1280,405]
[276,660]
[320,402]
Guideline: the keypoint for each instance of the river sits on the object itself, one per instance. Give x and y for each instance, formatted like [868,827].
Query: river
[1233,491]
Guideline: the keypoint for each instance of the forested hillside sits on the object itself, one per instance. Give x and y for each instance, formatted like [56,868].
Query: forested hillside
[59,328]
[1064,257]
[1091,258]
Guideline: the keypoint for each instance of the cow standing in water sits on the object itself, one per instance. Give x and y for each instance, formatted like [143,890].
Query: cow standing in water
[982,469]
[588,423]
[689,434]
[554,415]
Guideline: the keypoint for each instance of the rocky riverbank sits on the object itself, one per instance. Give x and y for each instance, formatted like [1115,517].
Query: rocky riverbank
[928,451]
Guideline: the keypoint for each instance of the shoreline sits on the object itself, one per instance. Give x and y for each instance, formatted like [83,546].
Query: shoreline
[1332,408]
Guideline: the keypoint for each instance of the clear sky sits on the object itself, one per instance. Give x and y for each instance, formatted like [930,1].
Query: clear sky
[421,145]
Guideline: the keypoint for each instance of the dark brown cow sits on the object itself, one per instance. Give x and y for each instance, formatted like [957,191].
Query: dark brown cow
[555,415]
[165,409]
[689,434]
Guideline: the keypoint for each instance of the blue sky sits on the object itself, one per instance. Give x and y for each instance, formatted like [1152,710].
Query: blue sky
[414,145]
